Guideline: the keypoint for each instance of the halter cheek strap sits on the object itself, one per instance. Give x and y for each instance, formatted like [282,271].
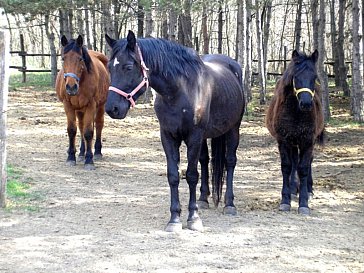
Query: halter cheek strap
[145,81]
[304,89]
[72,75]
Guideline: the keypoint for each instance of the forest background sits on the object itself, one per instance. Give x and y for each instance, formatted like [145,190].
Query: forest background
[261,35]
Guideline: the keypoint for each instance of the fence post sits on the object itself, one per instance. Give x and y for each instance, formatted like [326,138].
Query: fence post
[23,58]
[4,78]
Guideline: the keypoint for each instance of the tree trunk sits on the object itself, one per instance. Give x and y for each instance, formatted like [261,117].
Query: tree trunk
[140,19]
[357,100]
[321,69]
[94,30]
[220,24]
[268,16]
[315,23]
[185,25]
[205,35]
[149,23]
[4,79]
[241,40]
[334,43]
[298,25]
[248,69]
[51,38]
[343,69]
[260,55]
[172,26]
[281,46]
[87,26]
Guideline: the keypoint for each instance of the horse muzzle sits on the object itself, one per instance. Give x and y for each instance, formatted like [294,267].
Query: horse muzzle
[72,90]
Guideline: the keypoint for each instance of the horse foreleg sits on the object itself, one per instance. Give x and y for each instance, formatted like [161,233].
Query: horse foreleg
[171,148]
[232,143]
[285,151]
[88,133]
[81,155]
[205,190]
[99,124]
[293,183]
[193,143]
[71,131]
[304,169]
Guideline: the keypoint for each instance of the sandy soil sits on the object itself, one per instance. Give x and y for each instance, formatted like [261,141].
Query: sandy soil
[112,219]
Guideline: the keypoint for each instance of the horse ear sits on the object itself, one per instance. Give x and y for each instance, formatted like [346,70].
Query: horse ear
[314,56]
[295,54]
[64,40]
[79,41]
[110,41]
[131,40]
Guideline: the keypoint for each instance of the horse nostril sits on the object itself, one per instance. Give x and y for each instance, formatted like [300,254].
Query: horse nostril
[115,110]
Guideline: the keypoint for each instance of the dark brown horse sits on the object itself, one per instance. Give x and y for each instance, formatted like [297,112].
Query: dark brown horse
[82,85]
[295,119]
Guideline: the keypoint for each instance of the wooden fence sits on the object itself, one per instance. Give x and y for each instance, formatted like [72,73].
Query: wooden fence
[23,68]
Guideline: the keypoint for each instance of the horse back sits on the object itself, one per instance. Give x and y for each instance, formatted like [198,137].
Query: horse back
[101,73]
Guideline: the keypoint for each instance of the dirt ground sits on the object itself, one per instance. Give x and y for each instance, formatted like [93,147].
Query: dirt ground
[112,219]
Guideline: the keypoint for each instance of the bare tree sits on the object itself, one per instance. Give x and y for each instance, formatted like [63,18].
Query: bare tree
[357,99]
[298,25]
[320,63]
[260,55]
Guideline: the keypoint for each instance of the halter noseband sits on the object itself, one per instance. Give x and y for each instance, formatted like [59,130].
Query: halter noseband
[72,75]
[304,89]
[145,81]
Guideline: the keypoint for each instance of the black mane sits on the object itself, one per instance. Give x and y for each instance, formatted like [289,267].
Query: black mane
[173,59]
[72,46]
[295,67]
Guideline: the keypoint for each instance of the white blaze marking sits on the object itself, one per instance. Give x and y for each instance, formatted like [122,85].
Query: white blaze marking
[116,61]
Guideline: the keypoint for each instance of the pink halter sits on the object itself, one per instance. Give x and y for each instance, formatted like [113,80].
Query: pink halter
[145,81]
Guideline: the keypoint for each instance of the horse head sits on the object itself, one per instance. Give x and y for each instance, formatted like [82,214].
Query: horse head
[304,78]
[73,63]
[128,75]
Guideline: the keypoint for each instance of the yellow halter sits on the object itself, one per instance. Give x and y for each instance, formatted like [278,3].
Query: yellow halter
[304,89]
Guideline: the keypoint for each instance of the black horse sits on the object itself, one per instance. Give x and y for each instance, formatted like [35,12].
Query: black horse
[195,100]
[295,119]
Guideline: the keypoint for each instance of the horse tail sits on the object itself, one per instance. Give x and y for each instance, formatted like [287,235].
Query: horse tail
[218,149]
[320,140]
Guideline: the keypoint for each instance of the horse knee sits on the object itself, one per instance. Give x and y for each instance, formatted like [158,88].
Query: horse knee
[192,176]
[231,161]
[72,131]
[88,135]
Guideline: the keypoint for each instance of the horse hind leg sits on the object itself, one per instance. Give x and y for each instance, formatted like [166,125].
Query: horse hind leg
[203,202]
[232,143]
[99,125]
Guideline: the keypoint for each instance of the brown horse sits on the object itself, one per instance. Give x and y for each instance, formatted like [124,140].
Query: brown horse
[82,85]
[295,119]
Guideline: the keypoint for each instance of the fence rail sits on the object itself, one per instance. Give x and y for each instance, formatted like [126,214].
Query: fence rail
[24,54]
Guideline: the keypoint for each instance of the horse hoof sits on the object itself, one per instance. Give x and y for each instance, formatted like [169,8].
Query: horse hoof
[173,227]
[89,167]
[195,224]
[294,196]
[71,163]
[284,207]
[81,158]
[202,204]
[97,156]
[230,210]
[304,210]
